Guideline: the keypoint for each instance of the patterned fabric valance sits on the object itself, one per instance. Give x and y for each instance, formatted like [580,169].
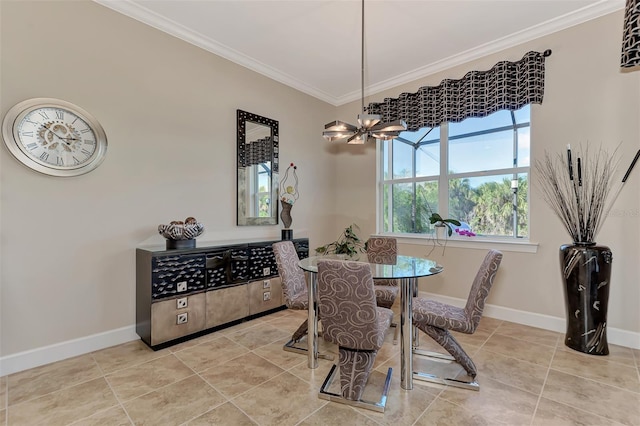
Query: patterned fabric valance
[508,85]
[256,152]
[631,36]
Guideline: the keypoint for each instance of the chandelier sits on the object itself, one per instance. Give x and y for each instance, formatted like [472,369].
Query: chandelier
[369,126]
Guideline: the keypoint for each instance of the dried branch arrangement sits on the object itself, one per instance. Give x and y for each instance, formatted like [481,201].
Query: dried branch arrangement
[580,192]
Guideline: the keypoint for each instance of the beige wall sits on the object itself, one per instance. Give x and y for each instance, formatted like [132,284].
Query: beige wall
[67,267]
[587,100]
[169,111]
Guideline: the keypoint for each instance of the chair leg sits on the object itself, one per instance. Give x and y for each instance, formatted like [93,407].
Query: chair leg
[301,331]
[355,368]
[290,346]
[448,342]
[396,332]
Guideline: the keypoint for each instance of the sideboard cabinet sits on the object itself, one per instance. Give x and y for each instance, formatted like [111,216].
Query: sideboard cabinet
[187,292]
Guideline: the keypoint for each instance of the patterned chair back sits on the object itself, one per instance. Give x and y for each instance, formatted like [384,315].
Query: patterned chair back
[293,281]
[347,304]
[379,248]
[481,287]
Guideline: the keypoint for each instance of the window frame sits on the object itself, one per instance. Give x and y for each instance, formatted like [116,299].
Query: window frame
[443,179]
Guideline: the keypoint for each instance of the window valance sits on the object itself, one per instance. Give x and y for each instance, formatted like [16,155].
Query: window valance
[256,152]
[507,85]
[631,36]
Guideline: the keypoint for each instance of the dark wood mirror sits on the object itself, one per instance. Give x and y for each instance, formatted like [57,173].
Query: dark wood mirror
[257,169]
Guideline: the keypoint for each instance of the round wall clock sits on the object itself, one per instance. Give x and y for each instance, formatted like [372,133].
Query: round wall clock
[54,137]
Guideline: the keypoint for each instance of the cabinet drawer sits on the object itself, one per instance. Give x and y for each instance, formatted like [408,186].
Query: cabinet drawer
[172,275]
[262,261]
[265,295]
[174,318]
[226,305]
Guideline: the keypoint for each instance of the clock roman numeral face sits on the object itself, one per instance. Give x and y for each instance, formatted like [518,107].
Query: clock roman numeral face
[56,137]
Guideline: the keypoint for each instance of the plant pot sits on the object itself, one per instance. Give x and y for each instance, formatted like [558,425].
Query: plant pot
[441,232]
[586,273]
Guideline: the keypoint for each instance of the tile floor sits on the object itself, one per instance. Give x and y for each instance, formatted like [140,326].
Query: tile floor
[241,376]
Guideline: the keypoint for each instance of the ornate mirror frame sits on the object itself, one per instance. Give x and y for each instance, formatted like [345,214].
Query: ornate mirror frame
[259,156]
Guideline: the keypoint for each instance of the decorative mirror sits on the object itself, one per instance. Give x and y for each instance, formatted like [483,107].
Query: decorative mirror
[257,170]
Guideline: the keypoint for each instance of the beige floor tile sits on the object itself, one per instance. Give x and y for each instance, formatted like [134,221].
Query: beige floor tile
[435,367]
[373,389]
[42,380]
[240,374]
[403,407]
[226,414]
[617,354]
[445,413]
[211,353]
[283,400]
[64,406]
[476,339]
[126,355]
[274,353]
[3,393]
[556,414]
[324,347]
[533,335]
[134,381]
[314,376]
[245,325]
[174,404]
[193,342]
[112,417]
[501,403]
[260,335]
[594,397]
[636,356]
[621,355]
[337,414]
[489,324]
[505,354]
[520,349]
[387,352]
[520,374]
[288,323]
[598,368]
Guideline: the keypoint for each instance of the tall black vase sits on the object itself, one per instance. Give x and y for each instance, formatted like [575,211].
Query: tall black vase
[586,272]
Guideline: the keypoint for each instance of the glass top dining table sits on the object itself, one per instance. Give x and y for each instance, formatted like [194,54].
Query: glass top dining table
[405,269]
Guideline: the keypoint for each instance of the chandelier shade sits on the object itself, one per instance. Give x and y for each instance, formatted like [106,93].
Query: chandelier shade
[369,126]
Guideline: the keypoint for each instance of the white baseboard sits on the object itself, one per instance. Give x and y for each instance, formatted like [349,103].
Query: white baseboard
[59,351]
[47,354]
[615,336]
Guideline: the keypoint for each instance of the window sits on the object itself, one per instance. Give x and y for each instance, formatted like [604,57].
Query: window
[261,190]
[475,171]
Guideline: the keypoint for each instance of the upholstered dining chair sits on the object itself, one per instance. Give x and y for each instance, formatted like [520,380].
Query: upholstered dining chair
[294,290]
[438,319]
[378,250]
[352,320]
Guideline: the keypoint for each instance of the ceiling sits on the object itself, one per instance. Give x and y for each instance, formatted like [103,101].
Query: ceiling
[314,45]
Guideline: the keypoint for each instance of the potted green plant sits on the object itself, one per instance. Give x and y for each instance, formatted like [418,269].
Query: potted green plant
[347,243]
[437,220]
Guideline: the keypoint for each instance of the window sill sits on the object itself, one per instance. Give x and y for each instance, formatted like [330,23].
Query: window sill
[480,243]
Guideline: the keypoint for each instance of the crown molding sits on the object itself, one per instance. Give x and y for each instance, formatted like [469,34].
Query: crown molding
[587,13]
[144,15]
[148,17]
